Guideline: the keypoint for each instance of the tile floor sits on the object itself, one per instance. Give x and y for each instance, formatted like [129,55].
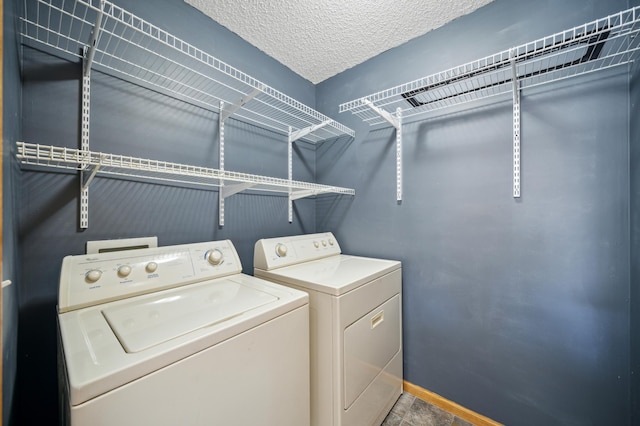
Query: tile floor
[412,411]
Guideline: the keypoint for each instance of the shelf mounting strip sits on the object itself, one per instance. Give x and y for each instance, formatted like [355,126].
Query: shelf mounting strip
[598,45]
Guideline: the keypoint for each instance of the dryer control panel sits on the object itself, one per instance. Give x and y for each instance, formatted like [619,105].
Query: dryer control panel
[92,279]
[272,253]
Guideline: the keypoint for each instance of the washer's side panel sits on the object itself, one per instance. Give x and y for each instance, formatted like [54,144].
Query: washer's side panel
[231,383]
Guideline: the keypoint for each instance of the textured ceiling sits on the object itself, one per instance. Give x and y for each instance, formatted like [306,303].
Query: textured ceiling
[319,39]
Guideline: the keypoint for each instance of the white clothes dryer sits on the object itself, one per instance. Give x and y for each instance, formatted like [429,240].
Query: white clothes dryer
[355,325]
[177,335]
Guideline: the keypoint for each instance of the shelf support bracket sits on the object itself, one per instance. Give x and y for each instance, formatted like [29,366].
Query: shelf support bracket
[90,51]
[84,146]
[229,190]
[85,184]
[221,195]
[229,110]
[302,194]
[299,134]
[294,136]
[396,122]
[290,172]
[516,130]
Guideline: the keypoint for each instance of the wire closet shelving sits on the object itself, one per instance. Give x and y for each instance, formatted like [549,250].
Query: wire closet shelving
[112,40]
[604,43]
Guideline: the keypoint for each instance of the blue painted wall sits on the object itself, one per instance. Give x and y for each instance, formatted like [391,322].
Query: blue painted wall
[11,132]
[517,309]
[129,120]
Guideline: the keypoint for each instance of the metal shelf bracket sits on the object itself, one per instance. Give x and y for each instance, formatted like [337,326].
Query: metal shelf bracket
[302,194]
[396,122]
[294,136]
[227,111]
[299,134]
[87,182]
[90,50]
[229,190]
[84,146]
[231,109]
[516,130]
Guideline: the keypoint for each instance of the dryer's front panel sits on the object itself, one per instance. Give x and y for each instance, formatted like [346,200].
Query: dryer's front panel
[369,344]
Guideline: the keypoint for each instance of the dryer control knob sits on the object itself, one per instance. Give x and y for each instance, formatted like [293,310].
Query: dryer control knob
[316,244]
[151,267]
[93,275]
[124,271]
[214,257]
[324,243]
[281,250]
[331,242]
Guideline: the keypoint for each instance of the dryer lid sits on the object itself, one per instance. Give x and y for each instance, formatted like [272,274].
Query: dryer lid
[141,324]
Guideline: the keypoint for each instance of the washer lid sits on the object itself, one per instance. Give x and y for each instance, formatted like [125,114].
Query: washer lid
[142,324]
[334,275]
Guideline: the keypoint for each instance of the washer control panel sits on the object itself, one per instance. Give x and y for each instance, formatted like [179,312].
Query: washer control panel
[272,253]
[91,279]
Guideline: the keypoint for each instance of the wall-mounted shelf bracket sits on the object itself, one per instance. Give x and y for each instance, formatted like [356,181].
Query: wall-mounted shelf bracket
[87,182]
[296,195]
[299,134]
[396,122]
[84,146]
[516,130]
[294,136]
[90,50]
[228,110]
[232,189]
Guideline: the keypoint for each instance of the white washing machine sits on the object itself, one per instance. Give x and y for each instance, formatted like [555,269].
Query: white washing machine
[355,323]
[177,335]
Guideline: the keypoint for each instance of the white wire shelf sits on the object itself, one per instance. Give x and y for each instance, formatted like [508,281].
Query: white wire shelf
[137,51]
[120,165]
[598,45]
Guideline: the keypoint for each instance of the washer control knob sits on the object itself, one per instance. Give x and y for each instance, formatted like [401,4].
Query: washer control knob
[214,257]
[324,243]
[281,250]
[316,244]
[331,242]
[124,271]
[93,275]
[151,267]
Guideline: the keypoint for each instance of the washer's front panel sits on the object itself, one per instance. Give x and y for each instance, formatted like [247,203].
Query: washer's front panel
[229,384]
